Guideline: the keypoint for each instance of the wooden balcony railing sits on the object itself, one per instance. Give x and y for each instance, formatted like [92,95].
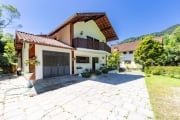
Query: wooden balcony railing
[90,44]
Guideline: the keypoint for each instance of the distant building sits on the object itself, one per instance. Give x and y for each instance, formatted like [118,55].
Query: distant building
[127,50]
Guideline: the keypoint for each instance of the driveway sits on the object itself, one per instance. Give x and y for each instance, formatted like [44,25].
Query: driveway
[106,97]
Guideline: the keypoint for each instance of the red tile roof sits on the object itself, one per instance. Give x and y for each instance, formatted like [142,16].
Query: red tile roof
[30,38]
[130,46]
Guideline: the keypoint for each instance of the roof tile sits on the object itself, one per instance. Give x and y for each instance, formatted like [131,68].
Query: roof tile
[30,38]
[130,46]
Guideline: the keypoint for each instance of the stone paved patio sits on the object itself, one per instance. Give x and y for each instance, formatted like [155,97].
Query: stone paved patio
[106,97]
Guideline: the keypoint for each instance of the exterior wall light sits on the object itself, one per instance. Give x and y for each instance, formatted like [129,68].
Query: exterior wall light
[81,33]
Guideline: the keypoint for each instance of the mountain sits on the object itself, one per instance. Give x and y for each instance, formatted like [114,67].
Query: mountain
[169,30]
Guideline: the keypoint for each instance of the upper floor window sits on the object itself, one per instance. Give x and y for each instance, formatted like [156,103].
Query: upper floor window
[92,38]
[89,38]
[130,52]
[96,39]
[127,62]
[124,52]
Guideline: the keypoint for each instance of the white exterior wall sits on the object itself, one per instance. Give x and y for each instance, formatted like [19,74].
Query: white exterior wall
[25,56]
[89,28]
[19,62]
[39,55]
[130,57]
[89,53]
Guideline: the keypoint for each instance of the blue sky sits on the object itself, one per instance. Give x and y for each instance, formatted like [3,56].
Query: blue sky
[128,17]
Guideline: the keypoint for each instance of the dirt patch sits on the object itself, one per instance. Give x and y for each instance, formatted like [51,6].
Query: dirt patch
[168,106]
[176,97]
[173,102]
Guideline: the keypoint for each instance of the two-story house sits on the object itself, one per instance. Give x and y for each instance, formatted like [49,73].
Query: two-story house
[78,42]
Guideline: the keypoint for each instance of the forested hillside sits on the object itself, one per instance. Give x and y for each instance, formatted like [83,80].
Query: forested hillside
[169,30]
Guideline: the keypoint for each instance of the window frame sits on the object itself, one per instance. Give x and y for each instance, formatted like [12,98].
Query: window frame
[82,59]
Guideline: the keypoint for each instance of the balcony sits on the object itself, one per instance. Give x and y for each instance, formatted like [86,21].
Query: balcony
[90,44]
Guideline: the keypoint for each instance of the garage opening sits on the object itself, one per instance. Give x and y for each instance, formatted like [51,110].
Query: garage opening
[55,64]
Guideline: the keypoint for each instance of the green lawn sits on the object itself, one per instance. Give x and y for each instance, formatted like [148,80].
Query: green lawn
[164,96]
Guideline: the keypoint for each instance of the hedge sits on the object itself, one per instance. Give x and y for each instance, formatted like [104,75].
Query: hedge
[105,70]
[172,71]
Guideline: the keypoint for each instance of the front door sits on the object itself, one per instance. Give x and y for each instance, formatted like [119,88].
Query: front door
[93,64]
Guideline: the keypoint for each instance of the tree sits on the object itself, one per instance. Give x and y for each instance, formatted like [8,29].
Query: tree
[2,44]
[4,38]
[114,59]
[9,52]
[8,14]
[7,55]
[148,52]
[172,47]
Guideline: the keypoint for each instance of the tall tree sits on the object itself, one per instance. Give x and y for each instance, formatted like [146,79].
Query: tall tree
[9,53]
[8,14]
[172,47]
[148,52]
[1,42]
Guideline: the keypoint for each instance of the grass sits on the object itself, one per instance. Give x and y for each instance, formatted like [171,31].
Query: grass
[164,96]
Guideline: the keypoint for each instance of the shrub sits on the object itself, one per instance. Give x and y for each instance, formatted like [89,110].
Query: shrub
[86,74]
[79,67]
[172,71]
[111,68]
[147,71]
[155,72]
[97,72]
[105,70]
[122,69]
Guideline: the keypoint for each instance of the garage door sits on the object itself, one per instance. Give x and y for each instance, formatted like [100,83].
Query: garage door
[55,64]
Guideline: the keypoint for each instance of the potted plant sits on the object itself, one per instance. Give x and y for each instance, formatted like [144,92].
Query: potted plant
[31,74]
[78,68]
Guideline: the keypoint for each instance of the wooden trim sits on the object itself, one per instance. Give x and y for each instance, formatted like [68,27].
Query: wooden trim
[100,19]
[21,60]
[32,68]
[72,59]
[71,33]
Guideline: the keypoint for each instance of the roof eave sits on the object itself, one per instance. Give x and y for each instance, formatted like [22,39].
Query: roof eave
[45,44]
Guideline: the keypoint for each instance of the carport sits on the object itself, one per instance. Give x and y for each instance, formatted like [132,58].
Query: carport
[55,64]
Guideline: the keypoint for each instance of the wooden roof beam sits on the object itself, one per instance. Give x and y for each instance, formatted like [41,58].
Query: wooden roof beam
[106,28]
[112,37]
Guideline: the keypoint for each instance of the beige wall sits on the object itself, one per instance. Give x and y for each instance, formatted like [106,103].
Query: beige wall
[89,28]
[63,35]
